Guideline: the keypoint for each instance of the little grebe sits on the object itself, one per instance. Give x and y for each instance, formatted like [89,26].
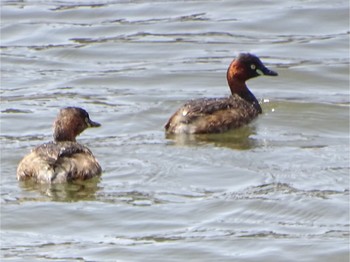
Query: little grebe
[64,159]
[215,115]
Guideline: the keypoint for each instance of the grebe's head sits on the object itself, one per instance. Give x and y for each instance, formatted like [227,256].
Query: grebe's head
[70,122]
[247,66]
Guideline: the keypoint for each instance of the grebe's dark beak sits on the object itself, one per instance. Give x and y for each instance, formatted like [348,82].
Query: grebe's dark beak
[266,71]
[91,123]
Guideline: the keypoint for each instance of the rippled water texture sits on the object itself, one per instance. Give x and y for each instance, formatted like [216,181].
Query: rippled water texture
[277,190]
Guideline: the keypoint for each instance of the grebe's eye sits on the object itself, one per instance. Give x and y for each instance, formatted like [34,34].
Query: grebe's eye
[253,66]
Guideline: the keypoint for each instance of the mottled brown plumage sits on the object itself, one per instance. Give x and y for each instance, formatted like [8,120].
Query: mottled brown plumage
[215,115]
[64,159]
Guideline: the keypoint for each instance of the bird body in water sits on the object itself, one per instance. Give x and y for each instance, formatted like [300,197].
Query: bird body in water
[215,115]
[64,159]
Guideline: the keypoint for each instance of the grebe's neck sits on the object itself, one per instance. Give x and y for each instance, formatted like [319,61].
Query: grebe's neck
[238,86]
[62,133]
[63,137]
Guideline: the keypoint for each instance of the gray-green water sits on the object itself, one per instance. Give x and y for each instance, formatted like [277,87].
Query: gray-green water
[277,190]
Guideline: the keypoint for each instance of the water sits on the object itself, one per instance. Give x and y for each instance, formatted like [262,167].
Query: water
[277,190]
